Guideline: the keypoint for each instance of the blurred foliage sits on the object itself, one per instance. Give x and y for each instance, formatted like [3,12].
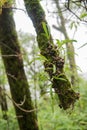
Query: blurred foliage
[2,2]
[6,4]
[10,123]
[50,116]
[57,119]
[75,119]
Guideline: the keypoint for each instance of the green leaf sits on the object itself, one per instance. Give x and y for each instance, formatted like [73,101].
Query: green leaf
[60,43]
[72,24]
[54,68]
[39,57]
[63,42]
[83,15]
[46,30]
[52,101]
[59,78]
[68,41]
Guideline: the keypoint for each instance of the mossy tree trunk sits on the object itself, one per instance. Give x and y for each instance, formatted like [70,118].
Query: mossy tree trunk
[69,46]
[13,63]
[60,83]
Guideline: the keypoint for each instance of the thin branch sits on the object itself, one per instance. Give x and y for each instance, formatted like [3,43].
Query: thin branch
[80,5]
[6,7]
[18,105]
[12,76]
[76,15]
[57,28]
[13,55]
[57,11]
[19,9]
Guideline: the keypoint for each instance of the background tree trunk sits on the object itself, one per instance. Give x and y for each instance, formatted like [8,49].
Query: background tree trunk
[59,80]
[3,103]
[69,46]
[13,63]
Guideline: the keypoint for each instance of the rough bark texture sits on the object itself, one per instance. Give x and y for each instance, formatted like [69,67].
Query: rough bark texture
[69,46]
[59,80]
[3,103]
[13,63]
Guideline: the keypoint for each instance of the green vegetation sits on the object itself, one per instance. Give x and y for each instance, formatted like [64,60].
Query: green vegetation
[43,81]
[51,117]
[10,123]
[73,119]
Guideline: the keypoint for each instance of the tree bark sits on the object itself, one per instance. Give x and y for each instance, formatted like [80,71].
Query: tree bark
[13,63]
[3,102]
[60,83]
[69,46]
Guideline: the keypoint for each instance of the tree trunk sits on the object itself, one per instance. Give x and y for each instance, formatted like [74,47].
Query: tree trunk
[60,83]
[13,63]
[3,103]
[69,46]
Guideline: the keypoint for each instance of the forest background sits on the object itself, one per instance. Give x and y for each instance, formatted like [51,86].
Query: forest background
[27,26]
[46,103]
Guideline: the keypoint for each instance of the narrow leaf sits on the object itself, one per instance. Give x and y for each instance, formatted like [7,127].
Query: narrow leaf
[83,15]
[45,29]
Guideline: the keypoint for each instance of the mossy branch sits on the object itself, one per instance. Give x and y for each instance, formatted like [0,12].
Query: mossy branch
[62,87]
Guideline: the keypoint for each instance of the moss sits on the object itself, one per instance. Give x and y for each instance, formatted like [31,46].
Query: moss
[63,88]
[13,63]
[67,95]
[60,83]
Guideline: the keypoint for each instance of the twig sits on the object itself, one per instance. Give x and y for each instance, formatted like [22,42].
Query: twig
[12,76]
[17,105]
[6,7]
[76,15]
